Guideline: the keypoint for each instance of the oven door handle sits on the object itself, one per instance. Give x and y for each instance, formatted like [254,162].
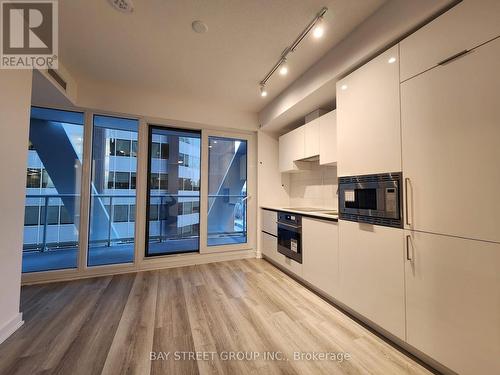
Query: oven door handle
[288,225]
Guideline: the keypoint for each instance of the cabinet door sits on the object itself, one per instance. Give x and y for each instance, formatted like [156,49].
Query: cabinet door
[453,301]
[465,26]
[291,148]
[269,246]
[311,138]
[372,273]
[320,264]
[451,148]
[328,138]
[368,118]
[268,221]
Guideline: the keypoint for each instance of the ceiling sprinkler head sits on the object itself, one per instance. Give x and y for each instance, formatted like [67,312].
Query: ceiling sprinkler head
[125,6]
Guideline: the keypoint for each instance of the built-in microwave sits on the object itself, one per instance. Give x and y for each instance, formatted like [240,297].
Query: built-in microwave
[373,199]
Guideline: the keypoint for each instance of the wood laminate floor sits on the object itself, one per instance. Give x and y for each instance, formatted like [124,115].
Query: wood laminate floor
[110,325]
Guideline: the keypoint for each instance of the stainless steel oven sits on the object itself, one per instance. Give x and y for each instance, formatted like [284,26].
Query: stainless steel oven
[374,199]
[290,235]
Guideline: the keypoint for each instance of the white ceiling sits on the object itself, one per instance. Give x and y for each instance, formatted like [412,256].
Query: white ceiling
[155,49]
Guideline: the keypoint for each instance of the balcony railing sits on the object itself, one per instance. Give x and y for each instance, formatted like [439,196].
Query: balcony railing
[157,200]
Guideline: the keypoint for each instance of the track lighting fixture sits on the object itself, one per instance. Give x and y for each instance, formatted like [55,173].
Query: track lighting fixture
[317,28]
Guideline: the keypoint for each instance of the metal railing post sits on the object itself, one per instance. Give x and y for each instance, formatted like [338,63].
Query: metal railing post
[110,219]
[159,218]
[46,218]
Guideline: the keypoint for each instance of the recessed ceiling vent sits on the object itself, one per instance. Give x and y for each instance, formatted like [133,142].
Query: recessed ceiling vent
[125,6]
[59,80]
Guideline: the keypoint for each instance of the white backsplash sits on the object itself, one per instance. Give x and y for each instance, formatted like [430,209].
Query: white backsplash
[314,188]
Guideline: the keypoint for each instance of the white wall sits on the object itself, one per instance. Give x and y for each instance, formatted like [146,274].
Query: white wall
[15,100]
[314,188]
[103,96]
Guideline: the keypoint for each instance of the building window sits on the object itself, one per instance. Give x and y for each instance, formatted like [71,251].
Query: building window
[165,151]
[31,215]
[65,217]
[134,149]
[132,213]
[120,213]
[111,179]
[46,181]
[33,177]
[153,212]
[155,150]
[122,180]
[133,180]
[155,181]
[112,146]
[163,181]
[52,215]
[122,147]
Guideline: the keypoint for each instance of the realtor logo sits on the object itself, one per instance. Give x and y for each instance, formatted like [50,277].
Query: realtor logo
[29,35]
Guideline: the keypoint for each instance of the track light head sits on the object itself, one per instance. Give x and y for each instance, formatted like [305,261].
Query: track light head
[263,91]
[319,28]
[284,68]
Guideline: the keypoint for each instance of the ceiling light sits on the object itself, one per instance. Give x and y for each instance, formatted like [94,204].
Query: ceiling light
[125,6]
[284,68]
[319,29]
[199,27]
[343,87]
[263,91]
[391,60]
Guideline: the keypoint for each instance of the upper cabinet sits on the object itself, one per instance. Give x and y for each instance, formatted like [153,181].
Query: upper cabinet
[316,138]
[368,118]
[291,148]
[462,28]
[451,133]
[311,138]
[328,138]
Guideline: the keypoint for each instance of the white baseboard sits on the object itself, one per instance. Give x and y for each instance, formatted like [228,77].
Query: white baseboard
[11,327]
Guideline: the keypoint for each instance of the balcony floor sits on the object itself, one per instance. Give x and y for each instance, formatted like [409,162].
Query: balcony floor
[66,258]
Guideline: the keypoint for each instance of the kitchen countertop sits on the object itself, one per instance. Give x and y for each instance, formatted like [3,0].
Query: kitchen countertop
[316,214]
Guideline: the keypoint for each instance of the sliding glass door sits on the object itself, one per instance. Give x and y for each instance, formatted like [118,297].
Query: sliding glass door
[227,191]
[173,192]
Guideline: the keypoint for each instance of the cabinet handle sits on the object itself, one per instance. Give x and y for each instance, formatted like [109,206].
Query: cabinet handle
[451,58]
[407,192]
[408,257]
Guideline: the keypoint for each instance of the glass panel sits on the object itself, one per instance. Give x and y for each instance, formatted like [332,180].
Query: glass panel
[53,190]
[227,190]
[171,229]
[112,226]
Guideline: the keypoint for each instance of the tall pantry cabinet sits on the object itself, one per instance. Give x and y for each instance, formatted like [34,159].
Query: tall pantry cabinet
[450,129]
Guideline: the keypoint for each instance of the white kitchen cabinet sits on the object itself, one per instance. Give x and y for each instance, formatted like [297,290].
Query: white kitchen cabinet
[290,264]
[453,301]
[368,118]
[320,259]
[328,138]
[269,245]
[268,221]
[465,26]
[291,148]
[451,148]
[312,138]
[372,273]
